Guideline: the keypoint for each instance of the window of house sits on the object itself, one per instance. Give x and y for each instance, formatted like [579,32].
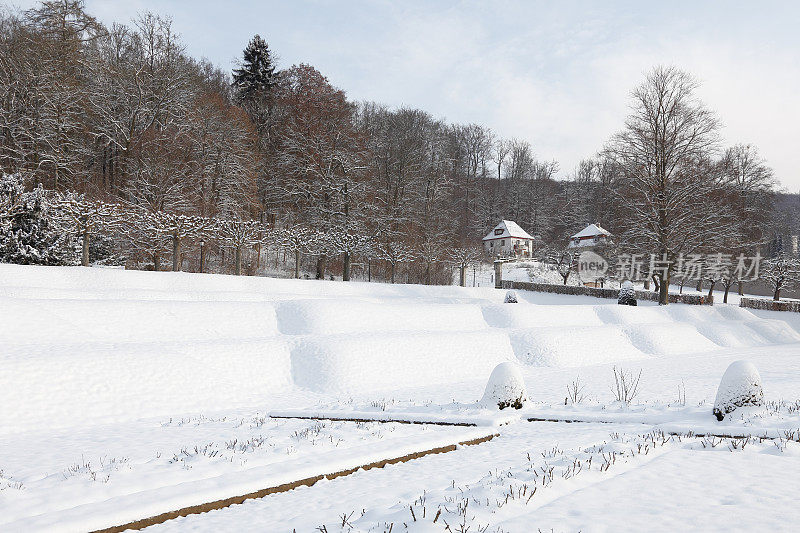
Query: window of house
[498,231]
[502,242]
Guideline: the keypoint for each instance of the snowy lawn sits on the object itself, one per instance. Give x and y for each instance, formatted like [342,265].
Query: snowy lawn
[126,394]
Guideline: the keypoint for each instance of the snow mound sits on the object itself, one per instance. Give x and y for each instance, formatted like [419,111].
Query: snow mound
[740,387]
[667,339]
[531,316]
[775,331]
[330,317]
[732,335]
[573,346]
[55,385]
[511,298]
[623,314]
[506,388]
[731,312]
[362,363]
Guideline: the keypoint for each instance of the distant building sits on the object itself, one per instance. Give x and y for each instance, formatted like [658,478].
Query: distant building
[590,236]
[507,239]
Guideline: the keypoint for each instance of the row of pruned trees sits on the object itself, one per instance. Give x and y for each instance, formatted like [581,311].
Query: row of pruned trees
[155,236]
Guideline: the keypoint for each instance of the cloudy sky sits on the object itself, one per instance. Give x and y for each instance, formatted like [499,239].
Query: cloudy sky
[557,74]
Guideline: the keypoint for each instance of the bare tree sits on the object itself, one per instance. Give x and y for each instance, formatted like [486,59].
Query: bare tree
[781,272]
[86,217]
[178,228]
[299,240]
[666,191]
[396,253]
[238,234]
[463,257]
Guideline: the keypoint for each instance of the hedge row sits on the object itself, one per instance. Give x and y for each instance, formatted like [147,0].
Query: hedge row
[691,299]
[770,305]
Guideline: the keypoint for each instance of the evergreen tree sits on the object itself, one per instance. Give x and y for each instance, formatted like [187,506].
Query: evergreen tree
[29,235]
[256,77]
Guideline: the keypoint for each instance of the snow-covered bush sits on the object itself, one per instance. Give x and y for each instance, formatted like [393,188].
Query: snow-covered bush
[511,298]
[29,234]
[627,294]
[740,387]
[506,388]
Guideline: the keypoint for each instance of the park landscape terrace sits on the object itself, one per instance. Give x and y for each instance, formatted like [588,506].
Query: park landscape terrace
[181,402]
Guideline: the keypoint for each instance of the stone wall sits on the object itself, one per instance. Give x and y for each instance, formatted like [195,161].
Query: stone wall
[770,305]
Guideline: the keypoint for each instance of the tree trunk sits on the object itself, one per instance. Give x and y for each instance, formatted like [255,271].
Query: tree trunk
[462,276]
[202,258]
[711,288]
[297,264]
[156,262]
[258,257]
[176,253]
[392,270]
[777,295]
[346,267]
[699,285]
[725,297]
[321,267]
[663,289]
[369,270]
[741,290]
[85,248]
[238,267]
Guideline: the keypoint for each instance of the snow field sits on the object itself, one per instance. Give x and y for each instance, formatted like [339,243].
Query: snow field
[78,352]
[178,463]
[117,408]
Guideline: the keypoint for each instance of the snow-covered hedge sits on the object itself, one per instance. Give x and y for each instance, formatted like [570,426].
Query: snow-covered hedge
[740,387]
[627,294]
[692,299]
[506,388]
[770,305]
[511,298]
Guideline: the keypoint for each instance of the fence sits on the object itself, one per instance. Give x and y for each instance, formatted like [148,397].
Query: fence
[691,299]
[770,305]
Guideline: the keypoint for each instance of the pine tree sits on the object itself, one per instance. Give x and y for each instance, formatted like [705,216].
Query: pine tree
[29,234]
[256,77]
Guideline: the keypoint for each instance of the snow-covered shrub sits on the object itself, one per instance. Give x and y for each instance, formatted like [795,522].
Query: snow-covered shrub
[29,235]
[740,387]
[506,388]
[627,294]
[511,298]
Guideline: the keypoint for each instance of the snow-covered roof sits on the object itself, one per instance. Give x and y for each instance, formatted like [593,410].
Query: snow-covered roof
[510,229]
[591,230]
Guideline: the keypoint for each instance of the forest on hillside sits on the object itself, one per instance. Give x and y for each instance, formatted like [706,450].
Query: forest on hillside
[116,146]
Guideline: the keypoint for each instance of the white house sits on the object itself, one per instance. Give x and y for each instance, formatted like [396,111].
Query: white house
[507,239]
[591,235]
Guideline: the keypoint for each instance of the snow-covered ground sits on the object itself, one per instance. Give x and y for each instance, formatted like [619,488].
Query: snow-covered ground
[127,394]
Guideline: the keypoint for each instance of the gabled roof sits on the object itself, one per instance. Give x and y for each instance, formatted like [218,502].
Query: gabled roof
[590,231]
[510,229]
